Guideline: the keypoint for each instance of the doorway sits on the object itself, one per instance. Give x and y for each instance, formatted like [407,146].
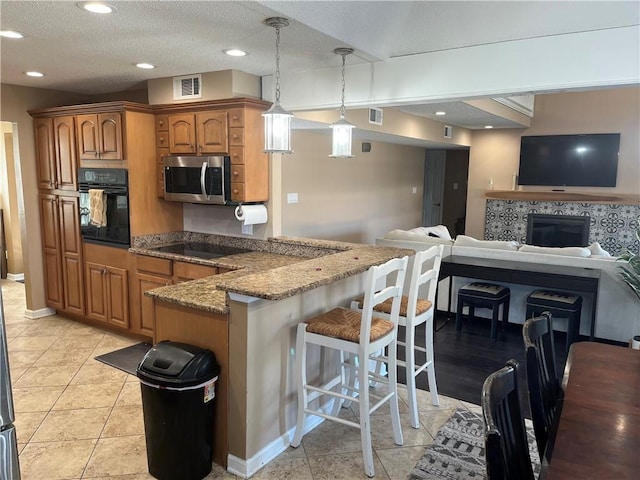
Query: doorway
[446,174]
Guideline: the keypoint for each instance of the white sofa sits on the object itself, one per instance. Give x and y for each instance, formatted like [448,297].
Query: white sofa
[618,310]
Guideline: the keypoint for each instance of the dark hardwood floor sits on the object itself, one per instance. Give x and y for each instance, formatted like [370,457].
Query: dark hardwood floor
[464,360]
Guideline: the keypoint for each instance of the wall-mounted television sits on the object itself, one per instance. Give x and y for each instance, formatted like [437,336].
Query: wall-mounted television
[584,160]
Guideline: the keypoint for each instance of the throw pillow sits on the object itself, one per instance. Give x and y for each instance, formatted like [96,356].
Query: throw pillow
[465,241]
[596,249]
[437,231]
[416,237]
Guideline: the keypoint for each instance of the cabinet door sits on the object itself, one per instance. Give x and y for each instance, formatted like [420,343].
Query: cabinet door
[88,141]
[45,158]
[146,311]
[182,133]
[64,135]
[118,296]
[96,291]
[51,251]
[110,136]
[212,132]
[71,253]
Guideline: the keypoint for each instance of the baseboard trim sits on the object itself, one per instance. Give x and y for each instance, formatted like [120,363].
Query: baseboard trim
[42,312]
[16,277]
[246,468]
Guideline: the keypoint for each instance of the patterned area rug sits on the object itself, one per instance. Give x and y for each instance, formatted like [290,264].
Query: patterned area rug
[458,450]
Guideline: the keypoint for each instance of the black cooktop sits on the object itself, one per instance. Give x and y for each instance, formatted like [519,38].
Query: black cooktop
[201,250]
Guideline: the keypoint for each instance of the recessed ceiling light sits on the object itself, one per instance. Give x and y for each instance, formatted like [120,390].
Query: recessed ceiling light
[441,113]
[10,34]
[146,66]
[488,126]
[97,7]
[34,74]
[234,52]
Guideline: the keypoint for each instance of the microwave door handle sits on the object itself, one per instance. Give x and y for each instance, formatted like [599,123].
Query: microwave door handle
[202,184]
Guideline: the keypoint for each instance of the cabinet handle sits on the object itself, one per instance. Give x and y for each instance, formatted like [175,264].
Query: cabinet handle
[234,117]
[104,271]
[161,123]
[235,136]
[235,190]
[235,173]
[96,153]
[55,184]
[161,139]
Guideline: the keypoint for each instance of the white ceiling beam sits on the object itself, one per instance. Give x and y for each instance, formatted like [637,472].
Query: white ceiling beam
[583,60]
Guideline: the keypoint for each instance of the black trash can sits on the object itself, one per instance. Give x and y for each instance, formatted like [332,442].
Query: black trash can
[178,388]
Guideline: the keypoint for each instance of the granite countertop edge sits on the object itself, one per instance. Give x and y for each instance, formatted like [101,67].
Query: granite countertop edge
[289,279]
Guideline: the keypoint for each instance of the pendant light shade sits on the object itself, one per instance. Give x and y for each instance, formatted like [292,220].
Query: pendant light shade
[342,129]
[277,121]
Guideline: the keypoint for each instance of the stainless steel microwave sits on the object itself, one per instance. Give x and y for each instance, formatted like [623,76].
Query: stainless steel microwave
[197,179]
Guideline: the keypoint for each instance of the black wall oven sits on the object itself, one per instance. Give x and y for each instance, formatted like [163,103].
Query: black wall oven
[104,206]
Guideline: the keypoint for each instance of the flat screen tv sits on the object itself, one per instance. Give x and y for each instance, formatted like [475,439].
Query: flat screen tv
[589,160]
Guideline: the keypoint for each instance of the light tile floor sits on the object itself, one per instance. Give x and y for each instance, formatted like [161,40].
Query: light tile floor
[77,418]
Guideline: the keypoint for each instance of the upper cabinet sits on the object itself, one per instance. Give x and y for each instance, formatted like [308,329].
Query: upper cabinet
[201,133]
[56,153]
[232,127]
[100,136]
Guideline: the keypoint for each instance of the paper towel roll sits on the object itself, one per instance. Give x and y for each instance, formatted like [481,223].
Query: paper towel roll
[251,214]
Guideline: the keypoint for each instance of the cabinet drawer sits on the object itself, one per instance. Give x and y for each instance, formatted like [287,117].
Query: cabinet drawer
[162,140]
[237,192]
[237,155]
[236,118]
[162,123]
[236,136]
[191,271]
[237,173]
[160,266]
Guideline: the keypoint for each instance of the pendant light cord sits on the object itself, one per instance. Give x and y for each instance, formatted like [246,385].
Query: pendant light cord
[342,109]
[277,65]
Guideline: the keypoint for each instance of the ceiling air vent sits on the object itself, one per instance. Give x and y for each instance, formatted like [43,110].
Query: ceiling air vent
[447,131]
[375,116]
[187,87]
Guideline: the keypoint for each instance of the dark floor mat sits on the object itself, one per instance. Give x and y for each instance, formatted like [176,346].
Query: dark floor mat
[126,359]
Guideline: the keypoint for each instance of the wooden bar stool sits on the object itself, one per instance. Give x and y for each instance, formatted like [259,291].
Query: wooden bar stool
[560,305]
[484,295]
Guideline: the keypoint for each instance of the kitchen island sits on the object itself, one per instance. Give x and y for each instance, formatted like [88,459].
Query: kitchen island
[248,318]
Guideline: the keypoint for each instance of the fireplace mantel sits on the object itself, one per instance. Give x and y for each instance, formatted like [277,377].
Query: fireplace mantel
[547,196]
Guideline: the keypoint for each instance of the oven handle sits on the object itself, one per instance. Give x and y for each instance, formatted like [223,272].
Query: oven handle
[107,190]
[202,173]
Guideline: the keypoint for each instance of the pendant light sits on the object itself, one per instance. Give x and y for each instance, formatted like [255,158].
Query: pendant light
[277,121]
[341,144]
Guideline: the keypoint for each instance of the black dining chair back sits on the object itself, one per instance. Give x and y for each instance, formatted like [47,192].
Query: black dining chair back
[542,378]
[506,447]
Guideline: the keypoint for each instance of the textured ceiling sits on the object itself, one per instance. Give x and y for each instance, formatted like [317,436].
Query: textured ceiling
[90,54]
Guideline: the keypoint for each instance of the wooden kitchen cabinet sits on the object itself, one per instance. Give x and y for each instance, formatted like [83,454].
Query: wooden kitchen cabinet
[154,272]
[200,133]
[100,136]
[107,284]
[232,127]
[62,250]
[56,153]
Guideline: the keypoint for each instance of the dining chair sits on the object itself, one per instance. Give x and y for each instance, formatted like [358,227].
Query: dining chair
[542,378]
[506,447]
[355,335]
[416,308]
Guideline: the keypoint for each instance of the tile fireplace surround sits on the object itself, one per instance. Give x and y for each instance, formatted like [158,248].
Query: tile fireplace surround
[613,226]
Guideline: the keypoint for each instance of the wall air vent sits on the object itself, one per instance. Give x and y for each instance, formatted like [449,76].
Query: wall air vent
[448,130]
[188,86]
[375,116]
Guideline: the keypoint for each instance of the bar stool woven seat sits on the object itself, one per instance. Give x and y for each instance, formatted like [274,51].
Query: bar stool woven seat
[484,295]
[560,305]
[345,324]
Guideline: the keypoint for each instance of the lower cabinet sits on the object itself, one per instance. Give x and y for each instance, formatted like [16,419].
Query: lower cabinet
[153,272]
[107,285]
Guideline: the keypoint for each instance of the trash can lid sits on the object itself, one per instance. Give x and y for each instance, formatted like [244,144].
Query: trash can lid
[174,364]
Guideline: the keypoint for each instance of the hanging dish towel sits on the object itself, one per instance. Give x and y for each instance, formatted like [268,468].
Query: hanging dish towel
[97,208]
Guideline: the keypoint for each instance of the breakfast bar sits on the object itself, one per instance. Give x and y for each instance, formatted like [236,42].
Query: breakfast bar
[248,318]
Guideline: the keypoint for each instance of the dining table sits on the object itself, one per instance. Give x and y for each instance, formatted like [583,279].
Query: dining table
[598,431]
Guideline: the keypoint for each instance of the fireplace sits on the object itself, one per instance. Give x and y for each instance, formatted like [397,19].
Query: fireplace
[558,230]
